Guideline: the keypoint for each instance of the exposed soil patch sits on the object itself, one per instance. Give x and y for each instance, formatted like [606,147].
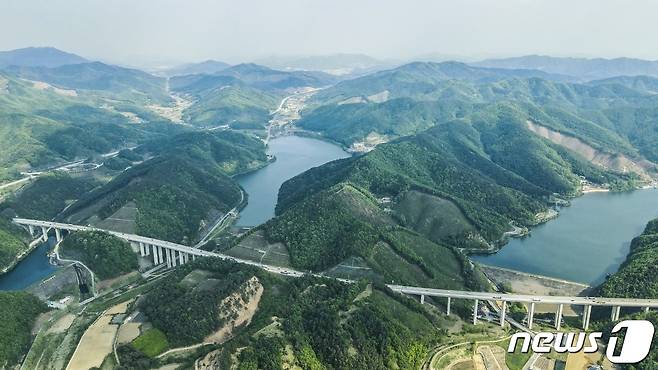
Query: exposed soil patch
[617,162]
[242,309]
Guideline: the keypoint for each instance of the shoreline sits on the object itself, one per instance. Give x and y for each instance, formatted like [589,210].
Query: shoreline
[498,245]
[21,256]
[536,276]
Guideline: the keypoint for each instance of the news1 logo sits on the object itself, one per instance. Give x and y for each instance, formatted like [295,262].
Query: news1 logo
[634,348]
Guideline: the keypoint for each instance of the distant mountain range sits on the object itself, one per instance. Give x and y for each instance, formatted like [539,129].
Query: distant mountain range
[336,64]
[253,75]
[420,78]
[207,67]
[586,69]
[98,76]
[38,57]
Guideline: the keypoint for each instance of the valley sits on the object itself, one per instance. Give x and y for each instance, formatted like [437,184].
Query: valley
[290,252]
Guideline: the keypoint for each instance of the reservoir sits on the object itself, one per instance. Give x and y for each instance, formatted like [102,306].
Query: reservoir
[33,268]
[294,155]
[589,239]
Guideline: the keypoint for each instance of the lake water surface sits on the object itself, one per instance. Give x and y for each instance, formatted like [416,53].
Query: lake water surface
[589,239]
[31,269]
[294,155]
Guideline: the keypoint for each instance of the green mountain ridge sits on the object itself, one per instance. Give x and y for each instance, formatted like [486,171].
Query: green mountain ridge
[43,127]
[180,188]
[310,323]
[38,57]
[112,81]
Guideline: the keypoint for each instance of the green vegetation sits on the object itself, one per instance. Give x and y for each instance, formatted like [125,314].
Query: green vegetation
[435,163]
[187,307]
[40,127]
[344,222]
[637,277]
[309,322]
[186,184]
[515,360]
[237,106]
[11,242]
[109,80]
[48,195]
[18,311]
[614,116]
[241,96]
[152,343]
[349,123]
[106,255]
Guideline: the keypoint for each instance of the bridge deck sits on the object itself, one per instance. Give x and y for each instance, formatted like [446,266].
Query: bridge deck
[484,296]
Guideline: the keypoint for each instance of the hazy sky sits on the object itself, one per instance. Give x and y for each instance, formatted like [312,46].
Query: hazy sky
[168,31]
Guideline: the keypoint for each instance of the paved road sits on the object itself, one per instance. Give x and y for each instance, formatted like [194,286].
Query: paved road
[493,296]
[411,290]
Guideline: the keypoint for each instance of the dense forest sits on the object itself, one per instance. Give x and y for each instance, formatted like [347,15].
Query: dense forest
[40,127]
[11,242]
[106,255]
[18,311]
[614,115]
[48,195]
[187,181]
[323,323]
[491,167]
[637,276]
[343,222]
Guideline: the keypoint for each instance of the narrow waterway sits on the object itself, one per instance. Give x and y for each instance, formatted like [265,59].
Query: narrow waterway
[30,270]
[294,155]
[589,240]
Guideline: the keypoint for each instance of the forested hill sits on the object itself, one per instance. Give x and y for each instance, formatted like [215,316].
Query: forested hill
[462,184]
[306,323]
[637,276]
[38,57]
[113,81]
[583,68]
[42,125]
[491,162]
[614,116]
[241,96]
[173,195]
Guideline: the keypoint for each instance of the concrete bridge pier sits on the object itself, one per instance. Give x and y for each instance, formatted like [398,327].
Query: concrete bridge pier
[475,312]
[448,307]
[586,314]
[173,258]
[503,310]
[44,233]
[422,299]
[614,315]
[30,228]
[160,254]
[58,235]
[531,314]
[167,253]
[646,309]
[155,254]
[558,316]
[181,258]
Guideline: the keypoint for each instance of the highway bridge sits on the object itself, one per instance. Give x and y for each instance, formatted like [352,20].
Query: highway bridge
[173,254]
